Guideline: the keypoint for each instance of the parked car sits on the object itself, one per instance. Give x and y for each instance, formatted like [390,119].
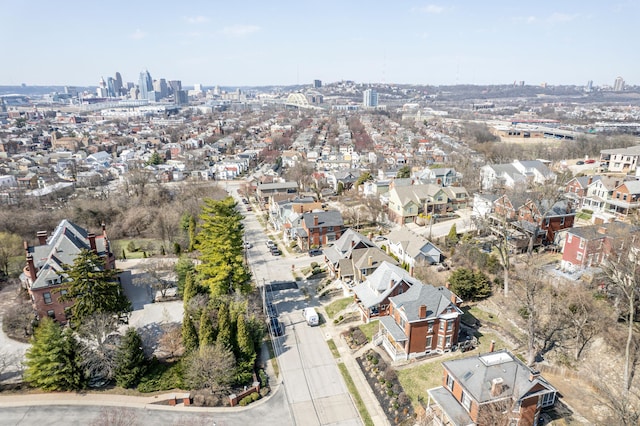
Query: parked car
[315,252]
[579,163]
[275,327]
[270,244]
[380,238]
[276,252]
[247,245]
[589,161]
[311,316]
[271,310]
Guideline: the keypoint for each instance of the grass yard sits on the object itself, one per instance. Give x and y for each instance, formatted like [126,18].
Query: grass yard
[337,305]
[272,357]
[353,390]
[333,348]
[417,380]
[370,329]
[142,245]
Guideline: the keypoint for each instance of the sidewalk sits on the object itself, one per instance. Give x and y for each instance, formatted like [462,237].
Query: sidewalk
[348,358]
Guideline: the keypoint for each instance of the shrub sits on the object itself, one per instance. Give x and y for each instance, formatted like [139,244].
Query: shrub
[403,399]
[314,265]
[131,247]
[390,374]
[161,377]
[264,379]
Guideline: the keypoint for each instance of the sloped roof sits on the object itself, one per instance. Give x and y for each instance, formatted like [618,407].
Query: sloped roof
[62,247]
[381,282]
[476,373]
[412,244]
[361,257]
[436,299]
[325,218]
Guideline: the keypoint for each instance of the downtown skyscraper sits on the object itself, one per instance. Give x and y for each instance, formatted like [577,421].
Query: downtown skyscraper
[145,84]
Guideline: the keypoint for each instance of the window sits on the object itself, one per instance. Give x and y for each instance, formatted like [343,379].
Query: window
[466,401]
[448,342]
[402,322]
[429,344]
[442,323]
[47,298]
[548,399]
[430,329]
[579,256]
[450,382]
[562,221]
[51,314]
[581,243]
[569,238]
[440,341]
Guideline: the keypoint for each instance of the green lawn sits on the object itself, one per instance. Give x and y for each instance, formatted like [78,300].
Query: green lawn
[333,348]
[362,409]
[336,306]
[417,380]
[370,329]
[143,245]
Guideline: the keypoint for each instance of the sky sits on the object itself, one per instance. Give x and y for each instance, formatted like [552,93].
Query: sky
[257,42]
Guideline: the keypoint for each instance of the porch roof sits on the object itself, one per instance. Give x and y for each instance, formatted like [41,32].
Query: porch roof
[393,328]
[450,407]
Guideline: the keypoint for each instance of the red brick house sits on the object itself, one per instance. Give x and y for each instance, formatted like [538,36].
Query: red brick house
[421,320]
[43,275]
[529,217]
[319,228]
[588,246]
[625,199]
[576,189]
[488,389]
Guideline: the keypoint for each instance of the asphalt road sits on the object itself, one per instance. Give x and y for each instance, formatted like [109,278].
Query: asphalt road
[315,390]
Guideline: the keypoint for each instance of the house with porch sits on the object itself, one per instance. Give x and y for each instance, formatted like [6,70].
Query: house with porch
[318,228]
[587,246]
[407,202]
[625,199]
[421,320]
[372,295]
[43,275]
[494,388]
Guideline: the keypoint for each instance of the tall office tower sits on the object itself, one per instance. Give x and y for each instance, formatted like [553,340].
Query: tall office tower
[145,84]
[370,98]
[134,93]
[317,84]
[589,85]
[111,87]
[181,97]
[197,87]
[118,84]
[175,85]
[618,85]
[216,90]
[101,90]
[164,89]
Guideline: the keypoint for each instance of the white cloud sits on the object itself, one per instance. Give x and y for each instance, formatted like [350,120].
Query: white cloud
[561,17]
[239,30]
[433,9]
[525,19]
[138,34]
[196,19]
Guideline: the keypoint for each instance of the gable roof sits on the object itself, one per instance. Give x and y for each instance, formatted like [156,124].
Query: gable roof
[411,243]
[381,282]
[325,218]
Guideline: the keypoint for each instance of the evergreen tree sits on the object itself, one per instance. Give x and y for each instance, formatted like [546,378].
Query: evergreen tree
[469,285]
[192,233]
[190,289]
[189,334]
[404,172]
[52,362]
[93,288]
[244,342]
[184,266]
[452,236]
[224,326]
[220,243]
[206,333]
[130,361]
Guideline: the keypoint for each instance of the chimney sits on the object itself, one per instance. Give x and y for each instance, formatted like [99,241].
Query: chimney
[315,220]
[422,311]
[590,180]
[496,386]
[492,346]
[25,244]
[454,299]
[533,374]
[104,229]
[42,237]
[92,241]
[353,243]
[32,267]
[370,261]
[392,283]
[602,230]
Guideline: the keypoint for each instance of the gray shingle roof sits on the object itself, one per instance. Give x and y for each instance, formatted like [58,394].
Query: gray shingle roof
[380,284]
[437,300]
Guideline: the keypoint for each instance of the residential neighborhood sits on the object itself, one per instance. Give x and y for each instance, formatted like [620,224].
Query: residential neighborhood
[477,271]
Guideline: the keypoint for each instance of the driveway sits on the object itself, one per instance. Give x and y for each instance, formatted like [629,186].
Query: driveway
[11,351]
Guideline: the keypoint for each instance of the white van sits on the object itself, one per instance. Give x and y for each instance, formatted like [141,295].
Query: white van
[311,316]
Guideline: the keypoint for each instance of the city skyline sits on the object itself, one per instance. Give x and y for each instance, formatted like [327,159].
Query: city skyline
[285,43]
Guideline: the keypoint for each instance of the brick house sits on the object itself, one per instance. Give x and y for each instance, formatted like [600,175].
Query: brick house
[491,388]
[625,199]
[576,189]
[588,246]
[421,320]
[43,275]
[528,217]
[319,228]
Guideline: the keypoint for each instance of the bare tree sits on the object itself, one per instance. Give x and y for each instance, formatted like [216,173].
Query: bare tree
[170,343]
[159,274]
[99,343]
[610,383]
[622,268]
[212,367]
[587,317]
